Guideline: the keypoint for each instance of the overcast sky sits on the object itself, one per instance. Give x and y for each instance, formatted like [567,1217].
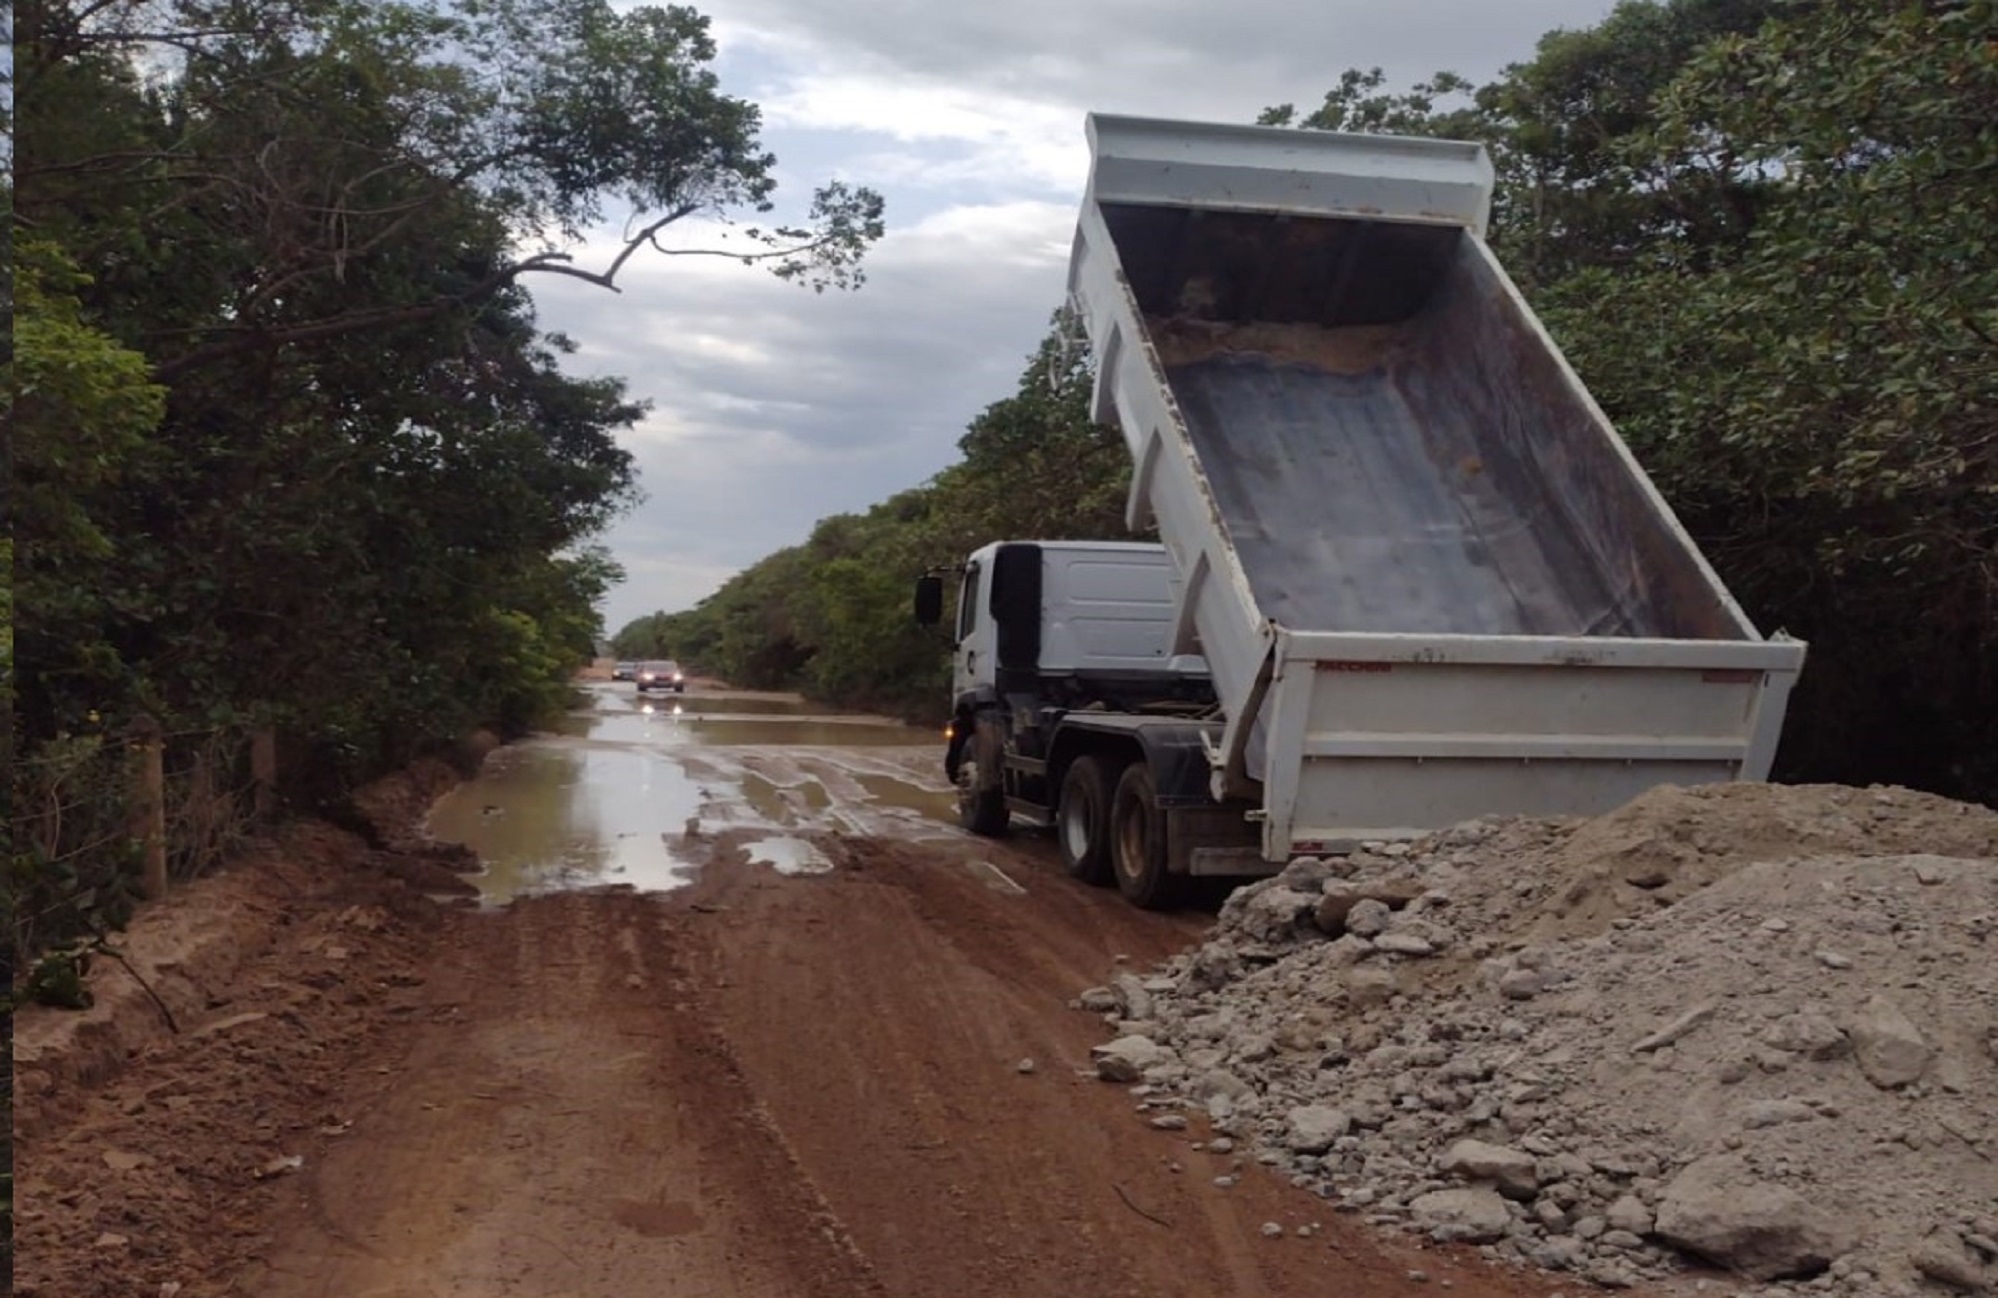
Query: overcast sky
[774,407]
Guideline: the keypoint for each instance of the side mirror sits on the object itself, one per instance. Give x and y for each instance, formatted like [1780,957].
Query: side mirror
[929,601]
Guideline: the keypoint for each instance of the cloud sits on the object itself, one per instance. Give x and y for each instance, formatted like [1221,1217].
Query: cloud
[1180,58]
[775,407]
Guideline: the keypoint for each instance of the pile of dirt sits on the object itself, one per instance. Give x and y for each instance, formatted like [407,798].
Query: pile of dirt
[155,1129]
[1752,1026]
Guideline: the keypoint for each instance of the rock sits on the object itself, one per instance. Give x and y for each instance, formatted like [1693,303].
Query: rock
[1944,1261]
[1807,1032]
[1368,917]
[1757,1114]
[1561,1253]
[1304,873]
[1169,1122]
[1346,951]
[1473,1216]
[1889,1048]
[1719,1211]
[1647,875]
[1217,1081]
[1677,1028]
[1522,984]
[1130,990]
[1127,1058]
[1338,898]
[1098,1000]
[1367,987]
[1214,966]
[1404,944]
[1629,1213]
[1509,1171]
[1333,905]
[1270,914]
[1610,1273]
[1311,1128]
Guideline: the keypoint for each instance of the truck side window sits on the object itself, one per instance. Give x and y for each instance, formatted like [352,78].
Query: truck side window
[967,603]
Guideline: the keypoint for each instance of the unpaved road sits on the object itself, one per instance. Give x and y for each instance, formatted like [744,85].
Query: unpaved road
[759,1085]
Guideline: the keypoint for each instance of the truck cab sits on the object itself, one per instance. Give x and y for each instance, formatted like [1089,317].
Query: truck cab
[1072,670]
[1068,621]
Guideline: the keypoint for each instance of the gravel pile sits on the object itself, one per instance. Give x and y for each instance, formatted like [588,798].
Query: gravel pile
[1753,1027]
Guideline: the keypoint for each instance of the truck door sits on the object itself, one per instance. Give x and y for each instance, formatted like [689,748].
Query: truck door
[975,664]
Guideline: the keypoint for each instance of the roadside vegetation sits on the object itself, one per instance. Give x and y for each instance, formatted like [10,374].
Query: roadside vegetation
[290,451]
[1762,230]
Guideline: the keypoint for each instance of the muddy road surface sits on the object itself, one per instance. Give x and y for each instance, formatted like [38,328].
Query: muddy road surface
[739,1013]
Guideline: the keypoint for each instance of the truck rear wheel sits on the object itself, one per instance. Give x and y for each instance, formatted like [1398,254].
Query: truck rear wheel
[1138,841]
[981,789]
[1082,820]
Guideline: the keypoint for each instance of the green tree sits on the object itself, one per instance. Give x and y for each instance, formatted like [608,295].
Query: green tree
[1821,403]
[295,450]
[534,116]
[1761,233]
[82,412]
[316,221]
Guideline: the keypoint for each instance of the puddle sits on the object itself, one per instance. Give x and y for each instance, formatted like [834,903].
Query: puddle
[744,729]
[788,855]
[543,816]
[749,705]
[609,794]
[934,804]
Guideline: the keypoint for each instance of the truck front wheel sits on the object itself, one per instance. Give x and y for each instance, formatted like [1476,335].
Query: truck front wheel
[981,789]
[1082,820]
[1138,841]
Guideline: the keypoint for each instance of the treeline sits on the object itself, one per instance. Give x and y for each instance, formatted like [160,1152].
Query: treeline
[1763,231]
[289,448]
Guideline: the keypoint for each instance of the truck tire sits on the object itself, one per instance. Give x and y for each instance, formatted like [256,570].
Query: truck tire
[981,789]
[1082,819]
[1138,841]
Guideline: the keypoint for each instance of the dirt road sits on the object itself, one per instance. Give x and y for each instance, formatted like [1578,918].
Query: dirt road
[761,1085]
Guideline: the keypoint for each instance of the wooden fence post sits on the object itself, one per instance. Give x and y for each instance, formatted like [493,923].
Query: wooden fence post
[149,804]
[263,772]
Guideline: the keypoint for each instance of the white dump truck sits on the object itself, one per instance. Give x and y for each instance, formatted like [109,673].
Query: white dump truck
[1407,572]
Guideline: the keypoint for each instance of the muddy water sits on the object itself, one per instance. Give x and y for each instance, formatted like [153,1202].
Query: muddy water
[615,792]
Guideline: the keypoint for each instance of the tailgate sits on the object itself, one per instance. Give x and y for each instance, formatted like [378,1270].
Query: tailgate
[1381,737]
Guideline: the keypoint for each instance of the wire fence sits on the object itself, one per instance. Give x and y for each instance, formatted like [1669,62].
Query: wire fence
[100,821]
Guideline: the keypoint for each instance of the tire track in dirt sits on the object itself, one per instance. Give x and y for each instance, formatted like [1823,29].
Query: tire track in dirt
[760,1087]
[562,1127]
[880,1014]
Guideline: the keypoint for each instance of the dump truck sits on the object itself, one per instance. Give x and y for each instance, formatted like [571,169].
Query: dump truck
[1406,574]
